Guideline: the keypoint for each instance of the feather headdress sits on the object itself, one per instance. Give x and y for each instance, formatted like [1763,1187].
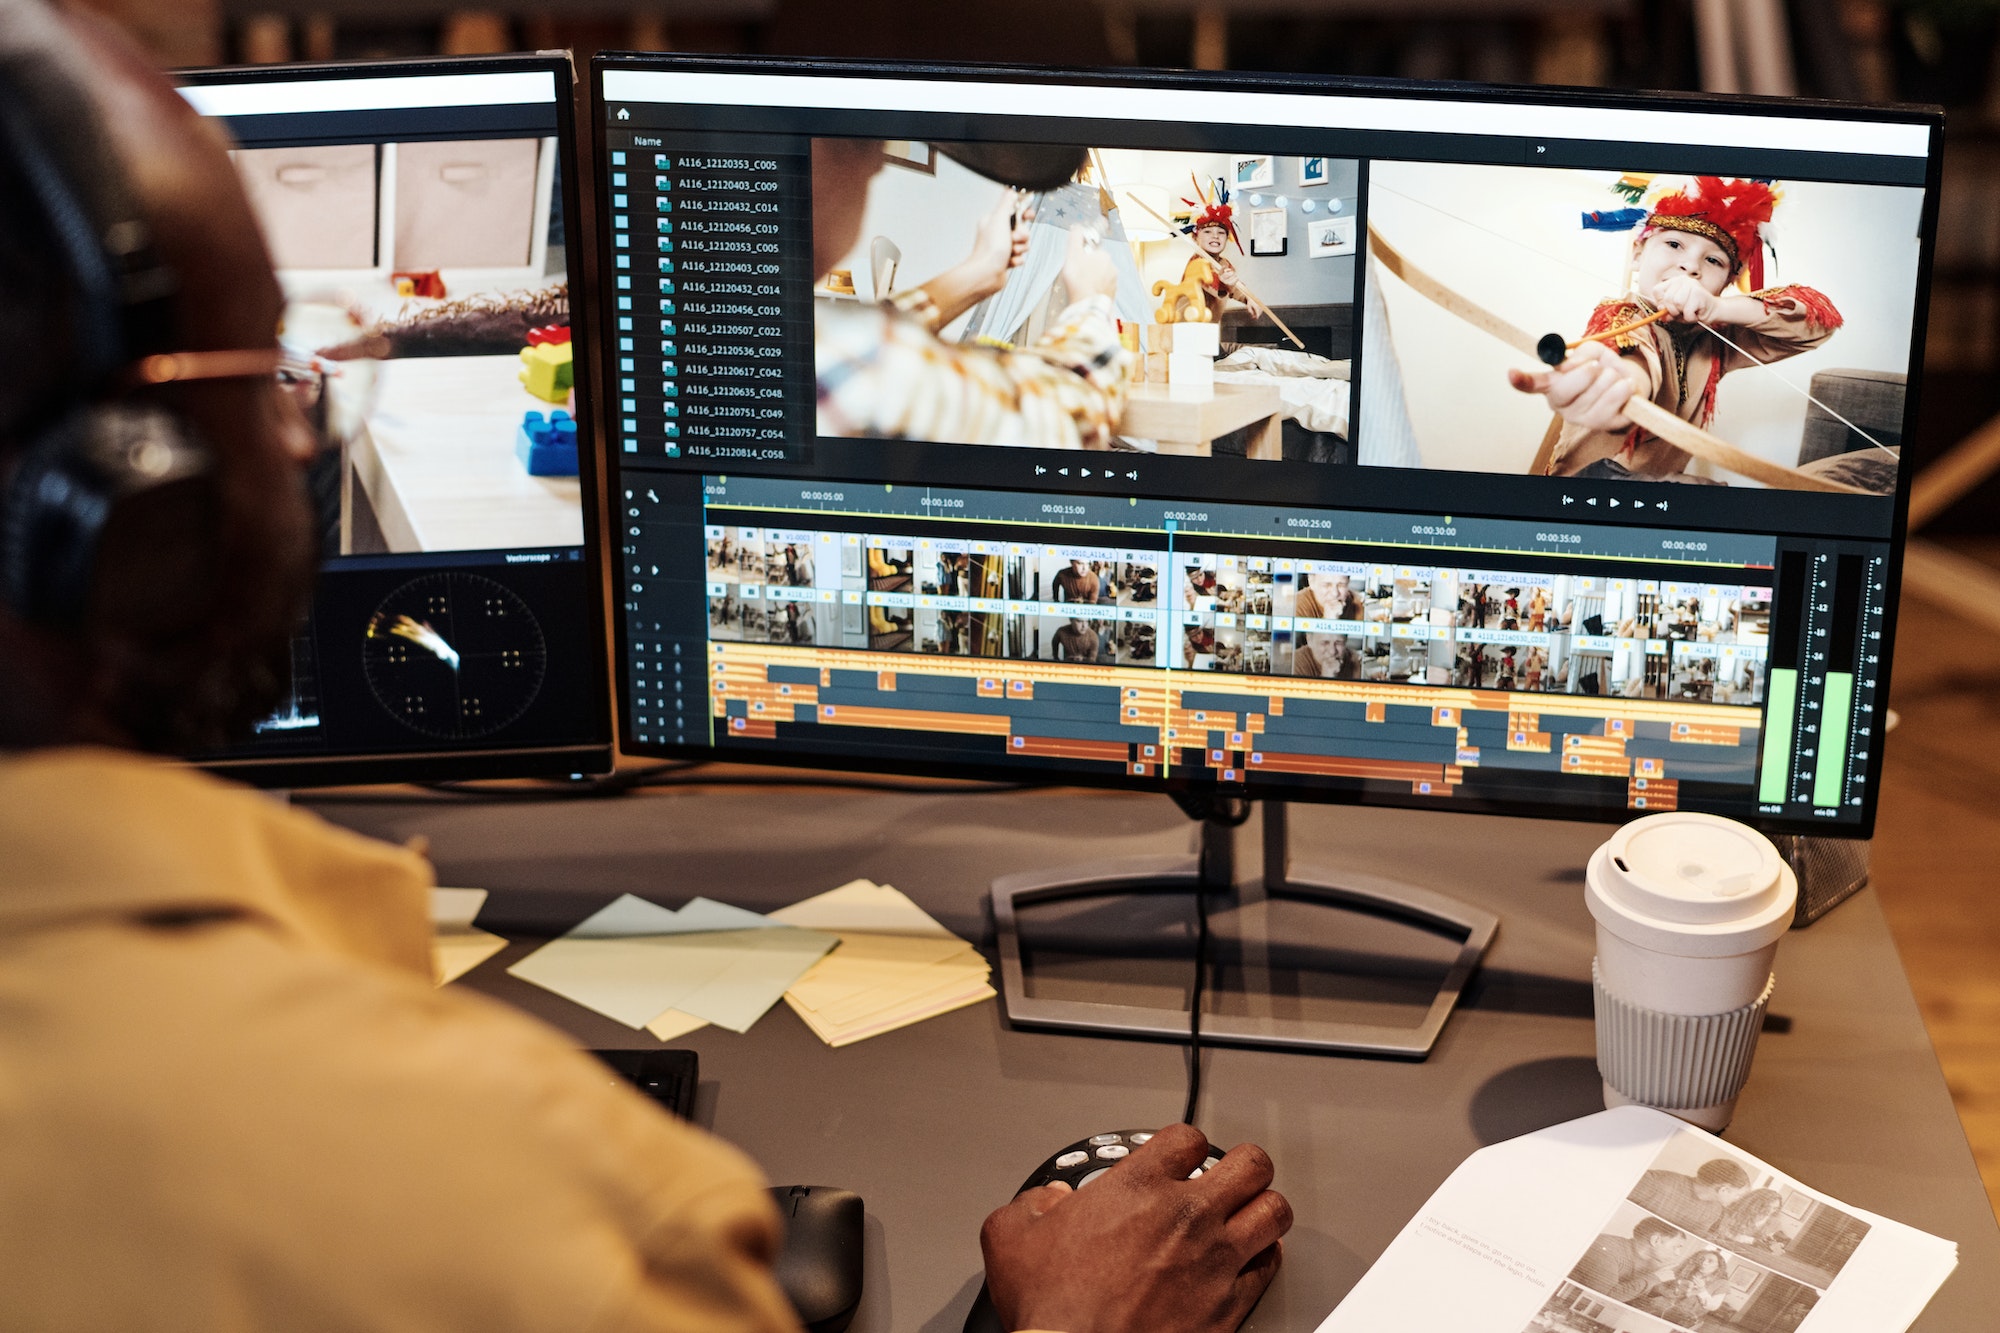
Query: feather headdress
[1211,208]
[1734,214]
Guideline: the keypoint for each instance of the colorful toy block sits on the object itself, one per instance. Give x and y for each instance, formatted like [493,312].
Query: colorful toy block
[548,370]
[428,284]
[548,333]
[547,448]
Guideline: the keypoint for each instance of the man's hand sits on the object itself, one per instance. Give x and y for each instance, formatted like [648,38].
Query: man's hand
[1144,1249]
[1087,271]
[998,246]
[1590,389]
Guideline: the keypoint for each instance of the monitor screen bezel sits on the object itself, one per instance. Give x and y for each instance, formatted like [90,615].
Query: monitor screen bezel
[596,753]
[1927,117]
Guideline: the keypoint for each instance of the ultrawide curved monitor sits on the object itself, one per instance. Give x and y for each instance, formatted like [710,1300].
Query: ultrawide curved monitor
[1270,493]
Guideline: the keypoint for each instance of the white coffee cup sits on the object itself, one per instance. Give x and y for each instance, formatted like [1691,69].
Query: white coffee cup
[1689,909]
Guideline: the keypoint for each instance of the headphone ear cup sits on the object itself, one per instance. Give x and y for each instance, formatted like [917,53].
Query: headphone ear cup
[94,467]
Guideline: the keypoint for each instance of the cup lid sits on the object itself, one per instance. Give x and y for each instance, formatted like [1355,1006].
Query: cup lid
[1683,873]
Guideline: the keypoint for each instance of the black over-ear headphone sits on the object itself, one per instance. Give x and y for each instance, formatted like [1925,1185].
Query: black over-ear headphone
[91,452]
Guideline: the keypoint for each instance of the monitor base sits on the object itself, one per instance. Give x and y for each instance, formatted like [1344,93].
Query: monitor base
[1212,871]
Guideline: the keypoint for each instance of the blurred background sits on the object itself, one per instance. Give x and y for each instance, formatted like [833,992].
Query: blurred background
[1940,821]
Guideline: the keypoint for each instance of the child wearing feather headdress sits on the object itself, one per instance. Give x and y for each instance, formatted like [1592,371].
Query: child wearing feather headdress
[1212,228]
[1699,258]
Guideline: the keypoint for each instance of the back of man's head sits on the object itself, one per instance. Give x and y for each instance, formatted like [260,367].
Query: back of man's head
[123,234]
[39,65]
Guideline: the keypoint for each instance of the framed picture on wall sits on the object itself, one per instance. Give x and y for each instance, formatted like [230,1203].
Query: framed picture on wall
[1267,231]
[1313,171]
[1252,173]
[1335,236]
[911,153]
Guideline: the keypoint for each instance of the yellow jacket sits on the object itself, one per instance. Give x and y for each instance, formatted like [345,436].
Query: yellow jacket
[230,1098]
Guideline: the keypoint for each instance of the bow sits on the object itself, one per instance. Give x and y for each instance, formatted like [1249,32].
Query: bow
[1642,412]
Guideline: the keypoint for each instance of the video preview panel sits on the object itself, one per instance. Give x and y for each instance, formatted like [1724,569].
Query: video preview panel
[1129,303]
[1787,331]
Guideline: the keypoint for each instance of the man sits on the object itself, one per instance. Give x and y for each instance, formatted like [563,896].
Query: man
[1075,642]
[1328,597]
[233,1098]
[1623,1267]
[1328,656]
[1078,582]
[1695,1202]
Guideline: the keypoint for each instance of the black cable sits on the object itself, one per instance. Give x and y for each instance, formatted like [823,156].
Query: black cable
[1215,812]
[1194,1006]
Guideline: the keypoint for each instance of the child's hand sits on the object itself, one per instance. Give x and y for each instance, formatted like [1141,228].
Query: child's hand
[1685,300]
[1590,389]
[1087,271]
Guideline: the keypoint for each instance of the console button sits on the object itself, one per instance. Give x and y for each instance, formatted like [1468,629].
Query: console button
[1111,1152]
[1140,1138]
[1070,1159]
[1101,1139]
[1092,1176]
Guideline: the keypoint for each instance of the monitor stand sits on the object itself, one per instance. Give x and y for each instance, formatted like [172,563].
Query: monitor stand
[1212,871]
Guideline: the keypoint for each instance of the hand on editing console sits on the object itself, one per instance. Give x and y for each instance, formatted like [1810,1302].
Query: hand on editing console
[1142,1249]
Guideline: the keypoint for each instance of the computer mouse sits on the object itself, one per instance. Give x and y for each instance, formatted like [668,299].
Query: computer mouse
[1076,1166]
[820,1264]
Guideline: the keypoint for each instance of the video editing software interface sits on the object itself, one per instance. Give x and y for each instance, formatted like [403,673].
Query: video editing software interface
[1239,471]
[416,220]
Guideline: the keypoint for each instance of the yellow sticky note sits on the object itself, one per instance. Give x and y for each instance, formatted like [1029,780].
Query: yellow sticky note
[455,953]
[458,946]
[673,1025]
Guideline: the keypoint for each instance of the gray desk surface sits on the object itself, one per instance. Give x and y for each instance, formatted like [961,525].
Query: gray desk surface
[937,1124]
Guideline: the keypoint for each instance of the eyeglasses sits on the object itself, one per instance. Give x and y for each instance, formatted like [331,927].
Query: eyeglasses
[181,367]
